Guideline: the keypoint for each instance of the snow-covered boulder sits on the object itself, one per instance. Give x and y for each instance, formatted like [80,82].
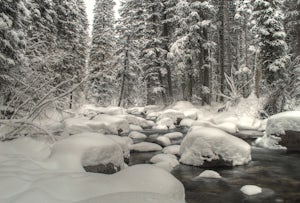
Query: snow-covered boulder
[164,124]
[225,126]
[137,110]
[251,189]
[90,110]
[173,149]
[137,135]
[174,115]
[91,151]
[187,122]
[113,124]
[135,127]
[134,120]
[285,129]
[165,161]
[145,147]
[124,143]
[208,174]
[174,135]
[163,141]
[204,146]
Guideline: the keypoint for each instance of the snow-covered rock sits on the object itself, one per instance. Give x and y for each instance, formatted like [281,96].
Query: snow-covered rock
[187,122]
[172,114]
[92,110]
[251,189]
[164,124]
[85,149]
[208,174]
[136,110]
[134,120]
[135,128]
[113,124]
[165,161]
[123,142]
[145,147]
[174,135]
[173,149]
[279,123]
[164,141]
[137,135]
[225,126]
[269,142]
[248,123]
[204,146]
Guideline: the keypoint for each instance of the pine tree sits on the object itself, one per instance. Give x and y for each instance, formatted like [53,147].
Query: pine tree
[270,38]
[102,73]
[13,20]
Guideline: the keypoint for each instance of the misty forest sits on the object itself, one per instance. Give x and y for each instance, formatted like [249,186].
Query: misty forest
[163,100]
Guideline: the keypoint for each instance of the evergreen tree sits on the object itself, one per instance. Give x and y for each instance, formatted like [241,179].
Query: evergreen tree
[101,70]
[270,38]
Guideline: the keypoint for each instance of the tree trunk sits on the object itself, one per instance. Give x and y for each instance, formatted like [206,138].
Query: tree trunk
[222,48]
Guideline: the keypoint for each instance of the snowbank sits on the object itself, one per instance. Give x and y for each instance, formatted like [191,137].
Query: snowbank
[251,190]
[208,144]
[145,147]
[279,123]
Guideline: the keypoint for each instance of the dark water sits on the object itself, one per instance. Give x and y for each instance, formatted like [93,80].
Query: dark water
[276,172]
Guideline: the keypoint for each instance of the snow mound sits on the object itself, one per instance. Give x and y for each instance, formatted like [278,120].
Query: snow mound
[173,149]
[135,127]
[136,110]
[174,135]
[164,141]
[123,142]
[145,147]
[209,174]
[137,135]
[269,142]
[207,144]
[113,124]
[251,190]
[165,161]
[279,123]
[248,123]
[85,149]
[164,124]
[187,122]
[134,120]
[92,110]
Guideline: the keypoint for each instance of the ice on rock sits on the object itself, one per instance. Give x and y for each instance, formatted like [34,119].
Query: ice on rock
[164,141]
[174,135]
[251,190]
[173,149]
[203,144]
[137,135]
[208,174]
[145,147]
[85,149]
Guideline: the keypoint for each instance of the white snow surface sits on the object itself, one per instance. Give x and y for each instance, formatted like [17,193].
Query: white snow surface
[173,149]
[174,135]
[136,110]
[165,161]
[279,123]
[25,179]
[134,120]
[135,127]
[208,174]
[164,124]
[229,127]
[137,135]
[171,114]
[251,189]
[269,142]
[85,149]
[123,142]
[187,122]
[145,147]
[206,144]
[165,141]
[91,109]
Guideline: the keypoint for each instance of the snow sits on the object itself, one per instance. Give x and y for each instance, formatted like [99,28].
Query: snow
[172,114]
[135,128]
[134,120]
[91,109]
[206,144]
[164,124]
[174,135]
[26,175]
[187,122]
[123,142]
[137,135]
[269,142]
[136,110]
[173,149]
[165,141]
[225,126]
[145,147]
[85,149]
[208,174]
[100,123]
[251,190]
[165,161]
[279,123]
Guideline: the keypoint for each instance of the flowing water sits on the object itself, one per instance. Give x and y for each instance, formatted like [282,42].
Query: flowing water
[277,172]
